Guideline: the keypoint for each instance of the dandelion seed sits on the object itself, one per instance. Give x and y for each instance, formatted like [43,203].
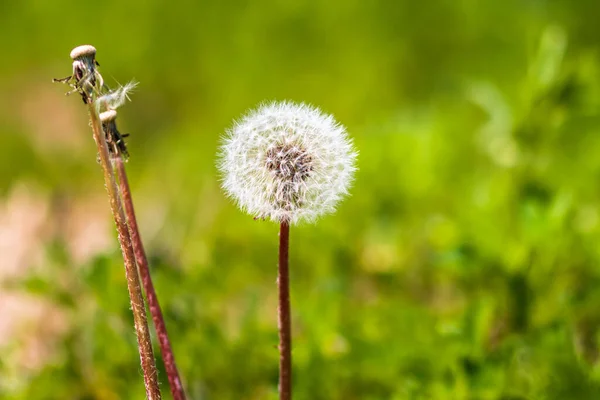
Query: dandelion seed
[116,98]
[287,162]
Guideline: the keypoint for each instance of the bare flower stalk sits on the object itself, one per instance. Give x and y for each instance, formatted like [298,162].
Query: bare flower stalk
[142,262]
[133,282]
[284,315]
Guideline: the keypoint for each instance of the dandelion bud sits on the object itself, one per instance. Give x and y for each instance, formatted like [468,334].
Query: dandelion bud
[287,162]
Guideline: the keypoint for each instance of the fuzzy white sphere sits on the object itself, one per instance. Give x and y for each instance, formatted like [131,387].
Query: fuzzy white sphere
[287,162]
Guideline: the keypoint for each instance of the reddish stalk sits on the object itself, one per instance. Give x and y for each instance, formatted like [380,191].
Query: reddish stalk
[284,314]
[131,273]
[142,262]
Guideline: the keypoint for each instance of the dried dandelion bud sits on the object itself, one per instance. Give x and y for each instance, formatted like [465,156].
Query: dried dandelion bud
[114,139]
[287,162]
[85,73]
[86,80]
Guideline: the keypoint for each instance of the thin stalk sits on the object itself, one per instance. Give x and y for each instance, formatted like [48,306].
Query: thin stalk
[153,304]
[284,314]
[133,281]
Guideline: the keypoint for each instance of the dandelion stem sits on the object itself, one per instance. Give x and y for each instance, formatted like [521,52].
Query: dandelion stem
[131,273]
[142,261]
[285,334]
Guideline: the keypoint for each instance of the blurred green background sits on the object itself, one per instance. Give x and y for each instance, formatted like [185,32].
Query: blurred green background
[465,265]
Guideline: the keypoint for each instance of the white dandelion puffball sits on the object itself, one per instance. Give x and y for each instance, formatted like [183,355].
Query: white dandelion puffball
[287,162]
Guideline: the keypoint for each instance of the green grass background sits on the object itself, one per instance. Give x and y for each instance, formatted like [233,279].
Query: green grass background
[465,265]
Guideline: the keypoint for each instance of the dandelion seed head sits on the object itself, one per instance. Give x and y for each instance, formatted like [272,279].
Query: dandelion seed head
[287,162]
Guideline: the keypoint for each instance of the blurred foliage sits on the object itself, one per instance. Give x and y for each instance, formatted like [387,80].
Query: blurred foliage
[464,266]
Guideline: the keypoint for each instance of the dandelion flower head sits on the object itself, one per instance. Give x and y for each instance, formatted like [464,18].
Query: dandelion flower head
[287,162]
